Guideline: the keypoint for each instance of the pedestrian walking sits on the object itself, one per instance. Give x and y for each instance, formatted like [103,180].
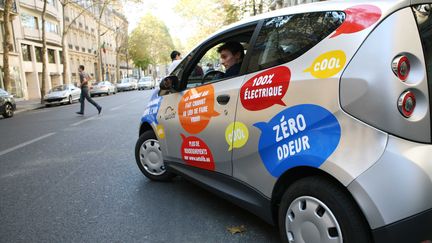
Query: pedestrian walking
[84,78]
[175,60]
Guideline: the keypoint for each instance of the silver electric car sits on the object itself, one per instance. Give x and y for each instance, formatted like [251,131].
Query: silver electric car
[318,120]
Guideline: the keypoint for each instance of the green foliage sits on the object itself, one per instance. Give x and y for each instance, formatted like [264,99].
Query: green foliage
[150,42]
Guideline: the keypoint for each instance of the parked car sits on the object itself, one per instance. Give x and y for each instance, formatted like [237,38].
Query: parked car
[325,130]
[146,83]
[103,87]
[134,83]
[62,94]
[7,104]
[125,85]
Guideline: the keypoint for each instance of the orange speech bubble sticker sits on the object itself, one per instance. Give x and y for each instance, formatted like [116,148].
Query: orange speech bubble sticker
[196,108]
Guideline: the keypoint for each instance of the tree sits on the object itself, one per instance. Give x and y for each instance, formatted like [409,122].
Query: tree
[150,42]
[206,17]
[44,51]
[121,39]
[7,45]
[65,31]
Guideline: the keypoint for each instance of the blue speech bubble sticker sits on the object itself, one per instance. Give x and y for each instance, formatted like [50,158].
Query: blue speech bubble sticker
[152,108]
[302,135]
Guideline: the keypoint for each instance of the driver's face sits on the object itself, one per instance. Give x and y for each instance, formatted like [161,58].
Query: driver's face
[228,59]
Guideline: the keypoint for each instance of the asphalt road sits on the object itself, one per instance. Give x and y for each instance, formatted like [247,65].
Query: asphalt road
[71,178]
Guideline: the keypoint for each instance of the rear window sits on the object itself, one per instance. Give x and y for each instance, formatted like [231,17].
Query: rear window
[283,39]
[424,22]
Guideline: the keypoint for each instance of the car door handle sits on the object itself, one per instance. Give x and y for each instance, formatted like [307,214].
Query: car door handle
[223,99]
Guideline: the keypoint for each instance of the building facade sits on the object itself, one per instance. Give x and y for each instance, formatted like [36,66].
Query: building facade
[17,80]
[30,44]
[83,46]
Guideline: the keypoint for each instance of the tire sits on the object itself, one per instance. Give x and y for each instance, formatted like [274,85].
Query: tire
[8,111]
[148,156]
[316,210]
[70,101]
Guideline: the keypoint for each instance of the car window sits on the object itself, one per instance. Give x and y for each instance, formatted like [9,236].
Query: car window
[209,67]
[59,88]
[283,39]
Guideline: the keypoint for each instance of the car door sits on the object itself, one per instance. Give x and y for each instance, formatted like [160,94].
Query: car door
[197,123]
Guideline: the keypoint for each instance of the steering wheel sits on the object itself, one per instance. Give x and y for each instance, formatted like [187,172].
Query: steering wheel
[211,75]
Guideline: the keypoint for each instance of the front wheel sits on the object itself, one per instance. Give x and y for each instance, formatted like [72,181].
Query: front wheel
[314,209]
[148,156]
[8,111]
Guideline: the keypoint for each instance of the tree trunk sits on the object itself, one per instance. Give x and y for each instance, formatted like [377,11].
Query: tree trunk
[44,51]
[118,65]
[7,44]
[66,79]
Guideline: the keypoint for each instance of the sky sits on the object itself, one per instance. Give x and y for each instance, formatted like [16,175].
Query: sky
[163,9]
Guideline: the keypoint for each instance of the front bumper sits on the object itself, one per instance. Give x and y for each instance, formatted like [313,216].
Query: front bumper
[415,229]
[56,100]
[98,91]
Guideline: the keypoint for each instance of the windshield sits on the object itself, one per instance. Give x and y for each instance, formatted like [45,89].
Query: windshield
[60,88]
[146,79]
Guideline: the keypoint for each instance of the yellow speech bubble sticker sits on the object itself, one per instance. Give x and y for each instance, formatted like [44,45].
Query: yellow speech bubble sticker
[160,131]
[236,135]
[328,64]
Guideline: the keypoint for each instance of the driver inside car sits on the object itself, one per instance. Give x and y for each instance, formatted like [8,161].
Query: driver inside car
[231,57]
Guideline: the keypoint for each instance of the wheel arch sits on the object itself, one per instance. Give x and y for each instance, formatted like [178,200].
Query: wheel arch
[297,173]
[145,126]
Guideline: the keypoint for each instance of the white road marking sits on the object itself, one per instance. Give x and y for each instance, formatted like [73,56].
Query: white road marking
[26,143]
[81,122]
[116,108]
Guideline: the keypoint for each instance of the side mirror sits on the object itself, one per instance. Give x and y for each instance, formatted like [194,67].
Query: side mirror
[169,83]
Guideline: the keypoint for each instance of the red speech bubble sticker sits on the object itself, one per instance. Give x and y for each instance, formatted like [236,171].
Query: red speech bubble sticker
[358,18]
[265,89]
[196,108]
[195,152]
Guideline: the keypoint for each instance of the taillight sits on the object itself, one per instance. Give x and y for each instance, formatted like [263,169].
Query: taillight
[401,67]
[407,103]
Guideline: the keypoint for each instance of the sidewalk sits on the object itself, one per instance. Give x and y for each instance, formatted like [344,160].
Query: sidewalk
[27,105]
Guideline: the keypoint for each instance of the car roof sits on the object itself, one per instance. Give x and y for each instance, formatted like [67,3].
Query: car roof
[387,7]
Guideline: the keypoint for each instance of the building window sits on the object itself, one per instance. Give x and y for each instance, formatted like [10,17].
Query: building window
[70,46]
[38,51]
[61,57]
[77,48]
[29,21]
[51,56]
[26,52]
[51,2]
[89,50]
[50,27]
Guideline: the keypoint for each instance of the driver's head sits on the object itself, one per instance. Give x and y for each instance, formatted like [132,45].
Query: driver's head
[231,53]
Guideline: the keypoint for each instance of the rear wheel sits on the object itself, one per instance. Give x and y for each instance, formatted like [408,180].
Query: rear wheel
[314,209]
[148,156]
[8,112]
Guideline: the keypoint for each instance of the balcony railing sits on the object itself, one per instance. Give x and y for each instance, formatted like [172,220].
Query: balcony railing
[14,7]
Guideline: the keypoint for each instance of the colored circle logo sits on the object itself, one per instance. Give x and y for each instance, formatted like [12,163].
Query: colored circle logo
[236,135]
